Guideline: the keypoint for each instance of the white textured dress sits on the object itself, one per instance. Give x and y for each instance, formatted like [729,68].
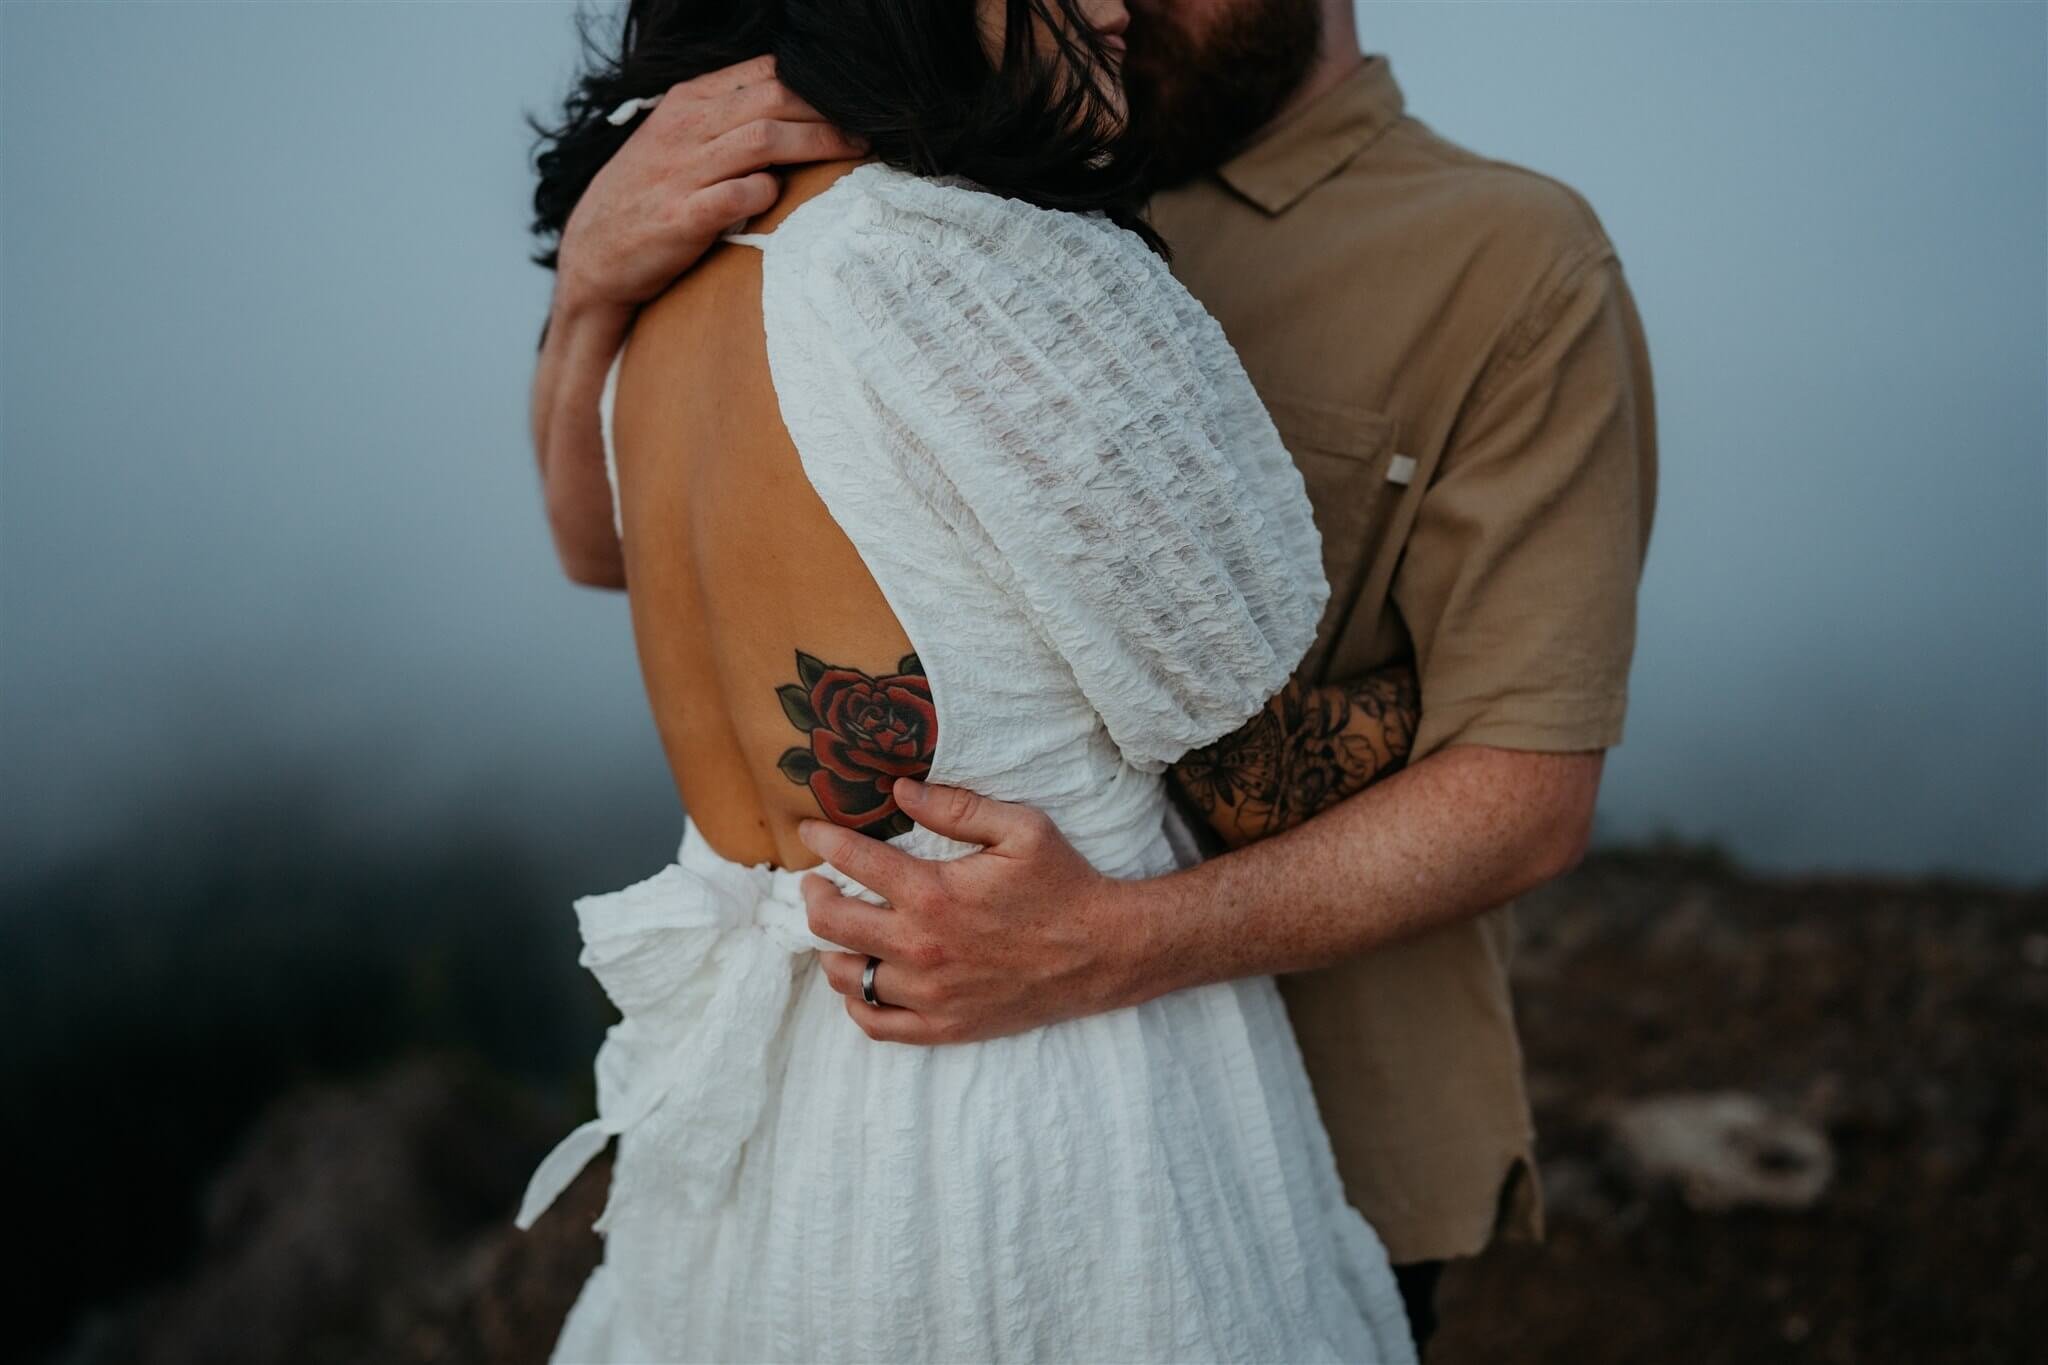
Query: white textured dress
[1056,470]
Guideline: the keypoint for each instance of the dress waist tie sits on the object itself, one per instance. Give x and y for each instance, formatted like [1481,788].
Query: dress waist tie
[701,960]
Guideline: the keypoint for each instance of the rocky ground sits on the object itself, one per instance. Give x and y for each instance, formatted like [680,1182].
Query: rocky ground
[1780,1121]
[1905,1024]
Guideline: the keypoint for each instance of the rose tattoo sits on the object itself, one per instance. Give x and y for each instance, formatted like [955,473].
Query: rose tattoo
[865,733]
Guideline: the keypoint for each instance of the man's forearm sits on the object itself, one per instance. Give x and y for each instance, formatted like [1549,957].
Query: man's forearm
[1311,748]
[577,347]
[1455,834]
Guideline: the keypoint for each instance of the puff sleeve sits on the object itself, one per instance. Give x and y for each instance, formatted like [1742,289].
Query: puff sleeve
[1080,422]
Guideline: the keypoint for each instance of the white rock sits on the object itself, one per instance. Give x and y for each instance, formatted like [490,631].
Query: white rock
[1723,1151]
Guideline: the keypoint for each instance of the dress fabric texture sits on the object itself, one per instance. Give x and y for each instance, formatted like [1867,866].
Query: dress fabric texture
[1059,476]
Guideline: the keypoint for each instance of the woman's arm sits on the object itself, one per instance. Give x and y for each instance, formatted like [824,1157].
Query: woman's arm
[1307,750]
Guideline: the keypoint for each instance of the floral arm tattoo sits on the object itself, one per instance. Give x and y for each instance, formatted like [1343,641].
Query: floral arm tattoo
[864,733]
[1309,749]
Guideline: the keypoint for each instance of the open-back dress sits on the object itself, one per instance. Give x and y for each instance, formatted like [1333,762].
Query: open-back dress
[1061,479]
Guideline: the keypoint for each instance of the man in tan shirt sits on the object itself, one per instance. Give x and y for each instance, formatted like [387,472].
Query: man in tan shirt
[1449,349]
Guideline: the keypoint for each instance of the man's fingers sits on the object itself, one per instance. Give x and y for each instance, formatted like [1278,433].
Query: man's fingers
[844,971]
[725,80]
[876,865]
[891,1025]
[897,1019]
[855,925]
[762,143]
[960,814]
[766,99]
[718,207]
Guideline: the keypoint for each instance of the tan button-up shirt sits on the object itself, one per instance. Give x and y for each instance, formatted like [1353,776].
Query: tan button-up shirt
[1450,350]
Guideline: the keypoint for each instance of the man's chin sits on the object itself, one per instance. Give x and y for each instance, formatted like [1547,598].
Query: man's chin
[1198,98]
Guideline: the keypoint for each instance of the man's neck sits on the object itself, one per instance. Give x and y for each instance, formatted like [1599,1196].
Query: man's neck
[1339,57]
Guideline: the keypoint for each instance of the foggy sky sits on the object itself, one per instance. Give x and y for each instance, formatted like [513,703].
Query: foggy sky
[268,507]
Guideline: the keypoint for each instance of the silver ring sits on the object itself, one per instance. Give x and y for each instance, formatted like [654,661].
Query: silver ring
[867,981]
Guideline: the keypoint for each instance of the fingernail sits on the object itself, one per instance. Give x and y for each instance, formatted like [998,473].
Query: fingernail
[807,831]
[909,788]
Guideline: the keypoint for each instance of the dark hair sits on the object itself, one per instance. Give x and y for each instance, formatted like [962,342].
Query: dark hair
[910,76]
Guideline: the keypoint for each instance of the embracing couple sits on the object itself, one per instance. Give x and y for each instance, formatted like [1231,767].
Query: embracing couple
[1132,543]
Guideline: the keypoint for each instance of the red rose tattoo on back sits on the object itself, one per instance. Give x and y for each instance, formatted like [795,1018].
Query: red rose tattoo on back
[865,732]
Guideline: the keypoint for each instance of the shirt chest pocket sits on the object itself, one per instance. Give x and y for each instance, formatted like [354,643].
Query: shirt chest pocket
[1355,480]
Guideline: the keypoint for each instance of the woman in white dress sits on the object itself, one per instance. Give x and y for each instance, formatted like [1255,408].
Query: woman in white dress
[937,472]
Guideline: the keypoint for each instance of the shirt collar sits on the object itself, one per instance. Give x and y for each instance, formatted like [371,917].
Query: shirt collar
[1304,148]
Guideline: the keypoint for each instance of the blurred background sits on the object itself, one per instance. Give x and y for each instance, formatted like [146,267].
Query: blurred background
[307,744]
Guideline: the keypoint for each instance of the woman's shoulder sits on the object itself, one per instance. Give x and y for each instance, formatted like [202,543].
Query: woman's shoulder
[878,222]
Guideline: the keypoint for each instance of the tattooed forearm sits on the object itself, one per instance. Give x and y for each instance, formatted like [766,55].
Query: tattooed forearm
[1309,749]
[863,732]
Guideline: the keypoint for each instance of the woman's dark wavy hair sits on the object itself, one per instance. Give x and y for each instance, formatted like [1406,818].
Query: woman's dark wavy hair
[910,76]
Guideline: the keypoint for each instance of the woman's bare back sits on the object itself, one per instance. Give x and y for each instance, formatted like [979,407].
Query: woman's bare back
[782,684]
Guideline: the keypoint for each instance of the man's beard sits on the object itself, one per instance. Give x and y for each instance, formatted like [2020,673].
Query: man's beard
[1196,98]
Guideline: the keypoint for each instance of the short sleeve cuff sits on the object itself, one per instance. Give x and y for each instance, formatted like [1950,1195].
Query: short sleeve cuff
[1539,724]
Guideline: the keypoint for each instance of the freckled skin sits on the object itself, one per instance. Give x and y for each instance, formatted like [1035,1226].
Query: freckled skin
[1450,837]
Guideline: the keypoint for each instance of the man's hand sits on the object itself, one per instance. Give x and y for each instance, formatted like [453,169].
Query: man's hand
[697,164]
[1019,934]
[1026,933]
